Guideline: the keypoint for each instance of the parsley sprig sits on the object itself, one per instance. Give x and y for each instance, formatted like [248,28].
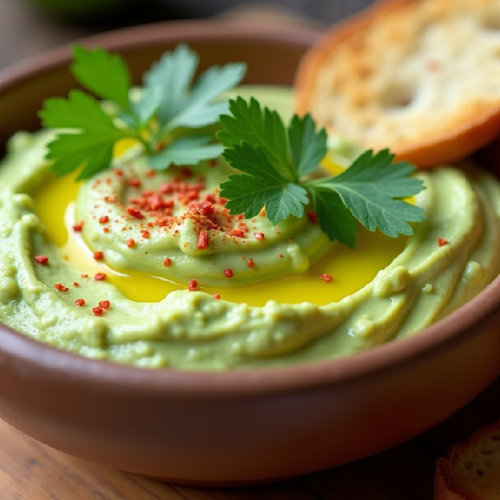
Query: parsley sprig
[161,119]
[277,164]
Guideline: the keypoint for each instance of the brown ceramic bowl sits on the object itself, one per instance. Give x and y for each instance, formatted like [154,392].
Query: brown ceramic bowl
[235,427]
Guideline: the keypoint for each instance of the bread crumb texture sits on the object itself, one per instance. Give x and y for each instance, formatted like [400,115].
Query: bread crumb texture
[472,470]
[406,71]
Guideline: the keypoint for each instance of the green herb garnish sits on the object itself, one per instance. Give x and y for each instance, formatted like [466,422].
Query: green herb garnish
[277,164]
[161,119]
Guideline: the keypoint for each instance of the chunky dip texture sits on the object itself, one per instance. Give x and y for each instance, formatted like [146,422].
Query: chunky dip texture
[149,268]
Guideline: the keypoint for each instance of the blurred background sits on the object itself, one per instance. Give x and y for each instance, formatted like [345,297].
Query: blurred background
[28,27]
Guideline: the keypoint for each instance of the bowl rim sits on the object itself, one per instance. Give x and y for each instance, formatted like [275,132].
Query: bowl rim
[454,328]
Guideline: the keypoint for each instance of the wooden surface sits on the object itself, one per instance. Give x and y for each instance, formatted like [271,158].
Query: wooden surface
[32,471]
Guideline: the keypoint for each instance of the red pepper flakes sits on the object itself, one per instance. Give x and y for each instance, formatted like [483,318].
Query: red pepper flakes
[262,212]
[75,283]
[104,304]
[442,242]
[326,278]
[97,311]
[135,213]
[61,288]
[42,259]
[238,233]
[100,276]
[228,273]
[105,229]
[187,172]
[104,219]
[85,275]
[281,255]
[77,228]
[149,172]
[193,284]
[80,302]
[313,217]
[206,208]
[135,182]
[250,263]
[222,201]
[166,188]
[118,172]
[212,163]
[209,197]
[130,242]
[145,233]
[258,236]
[217,296]
[98,255]
[167,262]
[202,243]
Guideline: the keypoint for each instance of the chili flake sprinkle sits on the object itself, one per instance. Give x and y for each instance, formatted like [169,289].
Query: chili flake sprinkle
[442,242]
[258,236]
[61,288]
[42,259]
[167,262]
[97,311]
[145,233]
[75,283]
[326,278]
[202,243]
[85,275]
[217,296]
[104,304]
[77,228]
[193,284]
[250,263]
[135,213]
[130,242]
[98,255]
[80,302]
[228,273]
[104,219]
[100,277]
[313,217]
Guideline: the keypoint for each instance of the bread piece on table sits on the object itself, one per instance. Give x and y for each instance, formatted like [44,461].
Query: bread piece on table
[472,470]
[421,77]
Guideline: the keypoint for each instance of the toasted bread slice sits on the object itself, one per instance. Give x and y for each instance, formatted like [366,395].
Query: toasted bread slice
[472,470]
[421,77]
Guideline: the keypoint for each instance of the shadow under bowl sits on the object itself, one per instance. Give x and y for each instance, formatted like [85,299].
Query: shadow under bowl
[235,427]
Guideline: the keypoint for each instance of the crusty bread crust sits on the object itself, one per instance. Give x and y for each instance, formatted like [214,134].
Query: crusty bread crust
[472,470]
[421,77]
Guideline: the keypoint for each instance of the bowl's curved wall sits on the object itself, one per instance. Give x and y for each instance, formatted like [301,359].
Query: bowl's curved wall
[240,426]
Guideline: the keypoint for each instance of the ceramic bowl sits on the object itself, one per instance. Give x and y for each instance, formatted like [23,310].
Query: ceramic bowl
[233,427]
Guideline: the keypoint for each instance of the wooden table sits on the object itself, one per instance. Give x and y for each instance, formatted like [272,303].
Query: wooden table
[32,471]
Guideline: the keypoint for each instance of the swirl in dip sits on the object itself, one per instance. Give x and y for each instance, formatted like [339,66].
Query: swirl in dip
[149,268]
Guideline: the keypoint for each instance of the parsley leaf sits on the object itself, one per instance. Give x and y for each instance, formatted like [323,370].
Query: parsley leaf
[167,106]
[92,147]
[198,106]
[104,74]
[334,217]
[307,147]
[262,186]
[186,151]
[370,188]
[258,128]
[277,164]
